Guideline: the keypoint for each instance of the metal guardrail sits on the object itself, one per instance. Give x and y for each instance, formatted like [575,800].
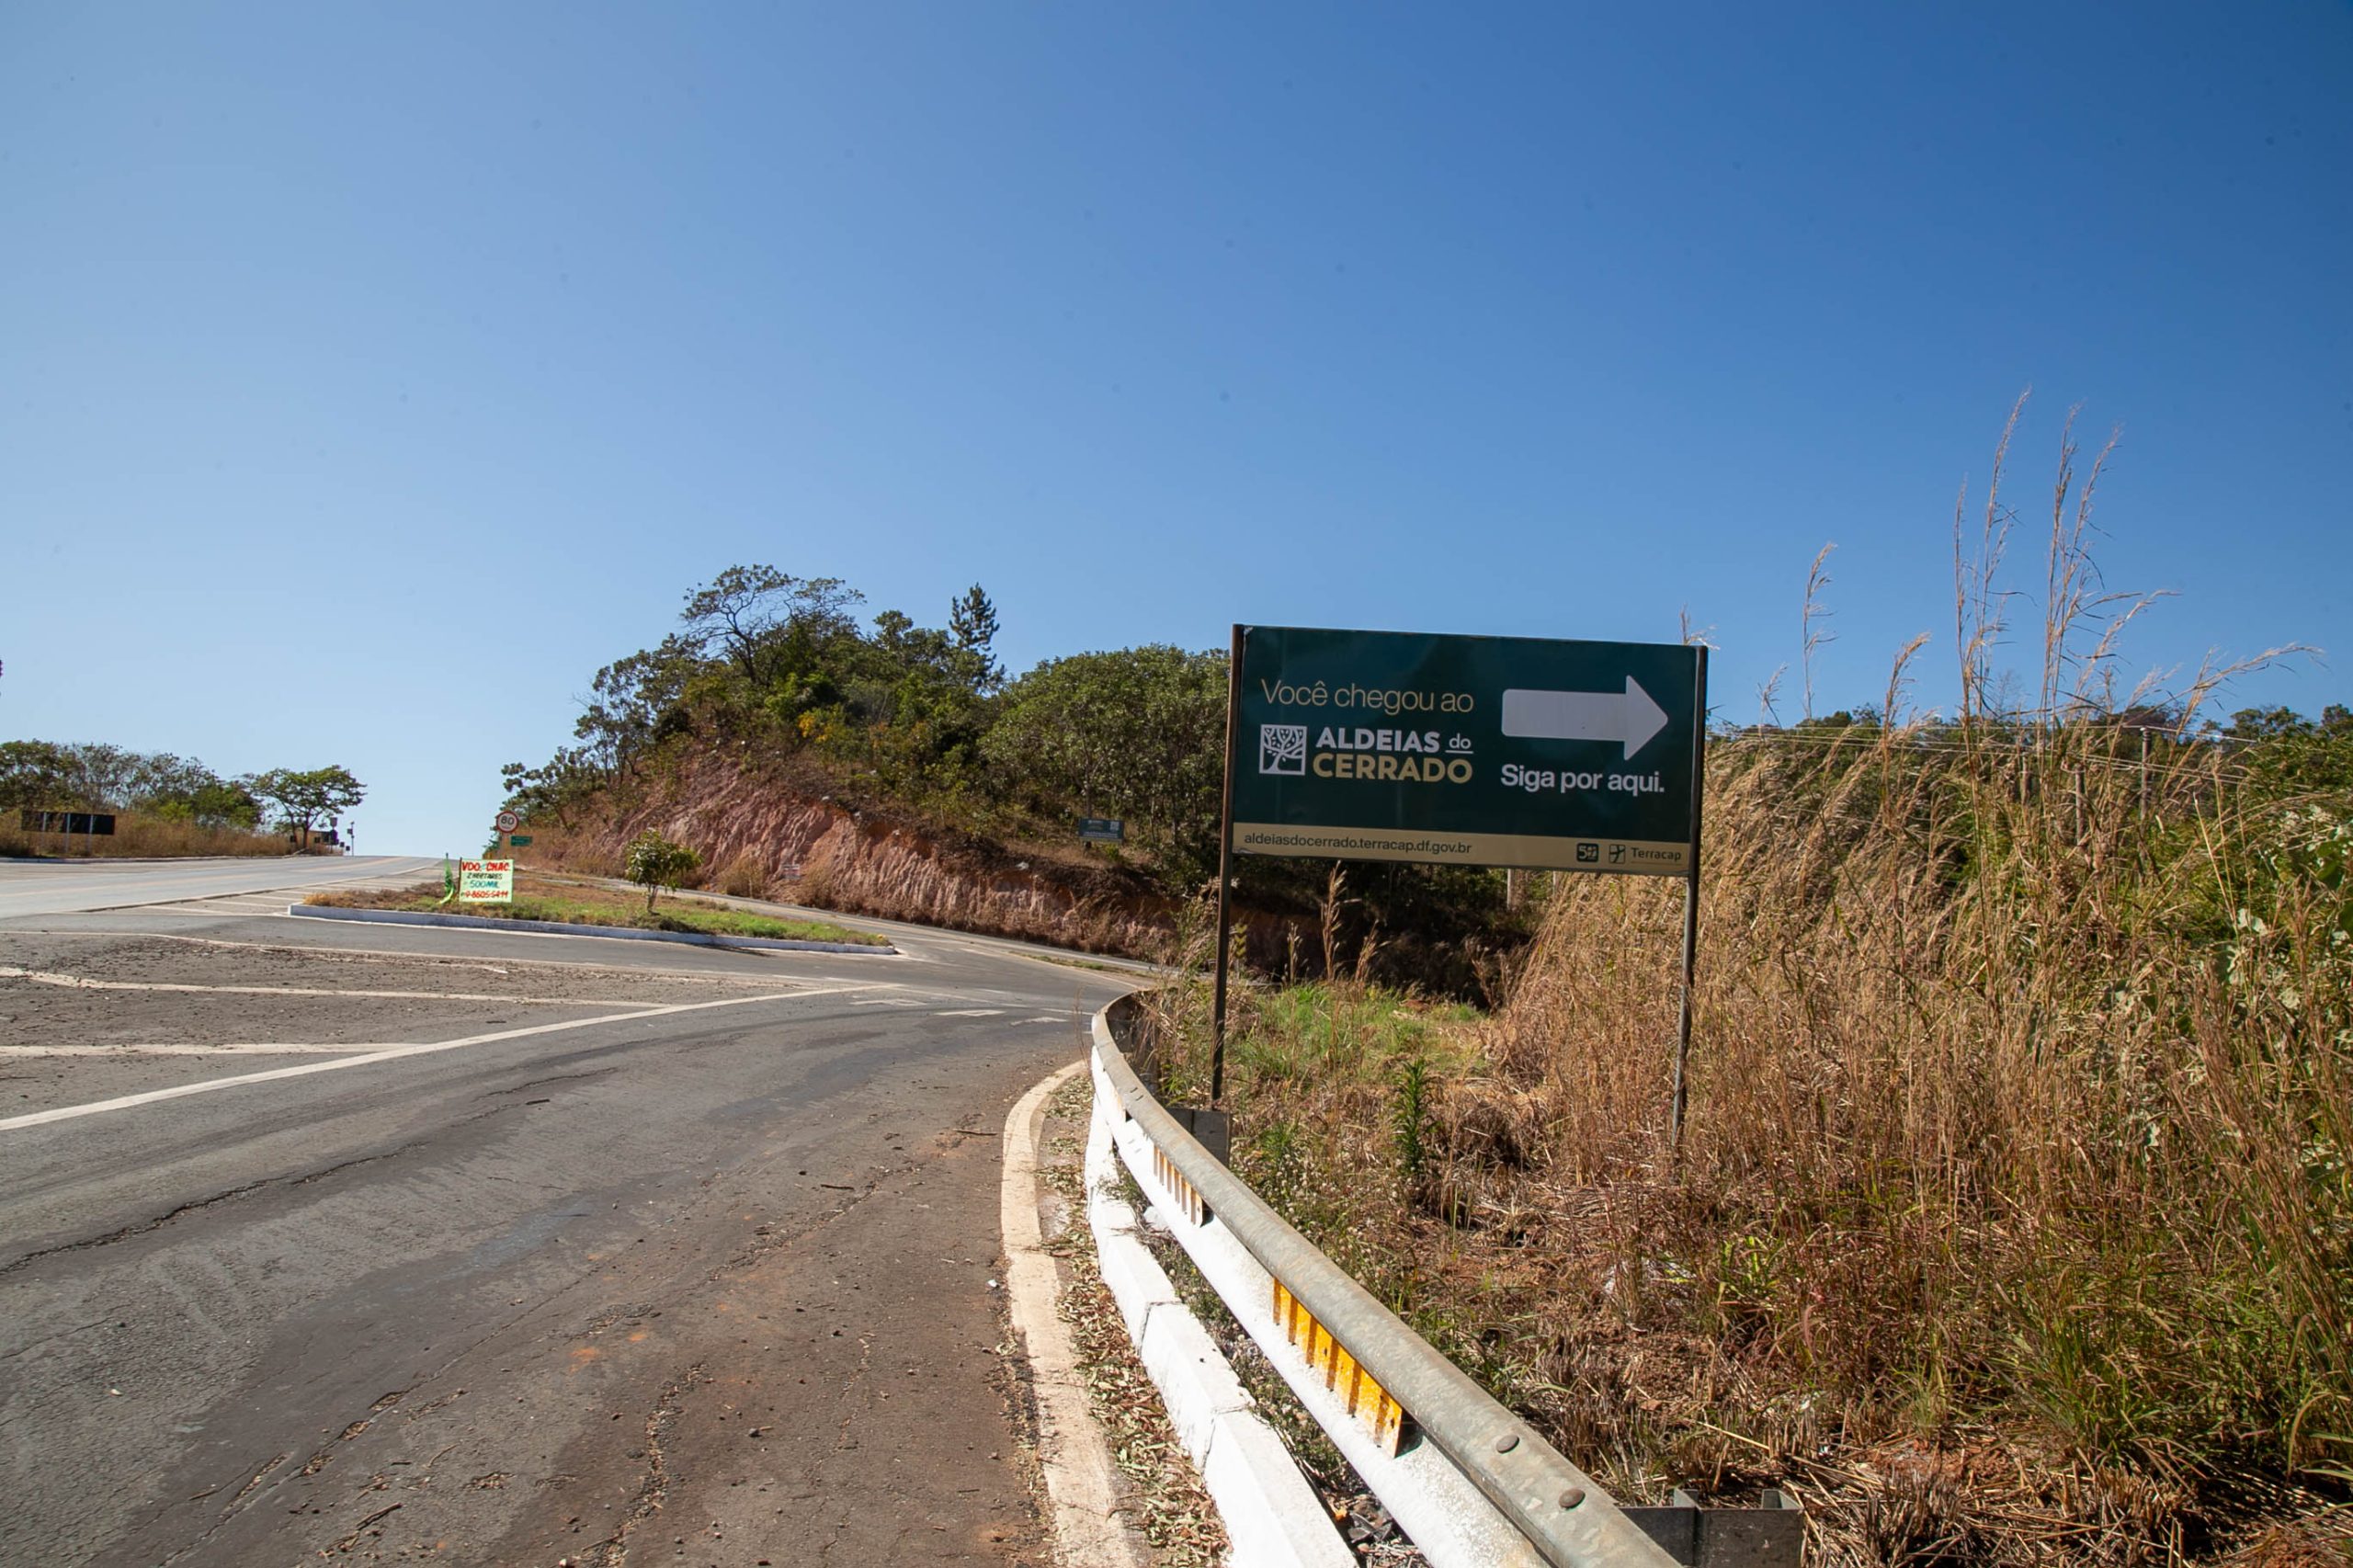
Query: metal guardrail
[1560,1511]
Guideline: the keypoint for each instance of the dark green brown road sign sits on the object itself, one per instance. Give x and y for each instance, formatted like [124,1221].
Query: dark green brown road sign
[1486,751]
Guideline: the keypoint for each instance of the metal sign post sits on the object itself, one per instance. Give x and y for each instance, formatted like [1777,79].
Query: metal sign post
[1225,872]
[1690,905]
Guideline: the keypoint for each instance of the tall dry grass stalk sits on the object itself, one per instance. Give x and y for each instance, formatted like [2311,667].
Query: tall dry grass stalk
[1813,634]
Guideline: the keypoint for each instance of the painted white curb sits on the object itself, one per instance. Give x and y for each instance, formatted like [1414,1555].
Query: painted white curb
[1436,1504]
[1271,1515]
[1081,1483]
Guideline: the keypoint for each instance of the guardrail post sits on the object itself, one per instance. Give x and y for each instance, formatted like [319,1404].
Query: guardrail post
[1771,1535]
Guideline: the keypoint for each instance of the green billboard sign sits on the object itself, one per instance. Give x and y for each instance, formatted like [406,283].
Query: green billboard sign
[1483,751]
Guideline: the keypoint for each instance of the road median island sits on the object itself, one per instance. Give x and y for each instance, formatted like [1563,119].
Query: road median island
[568,908]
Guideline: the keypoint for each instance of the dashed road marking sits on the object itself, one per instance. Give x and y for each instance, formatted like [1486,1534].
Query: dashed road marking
[972,1013]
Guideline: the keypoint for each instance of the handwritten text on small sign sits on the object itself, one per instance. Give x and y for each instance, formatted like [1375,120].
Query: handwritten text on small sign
[485,881]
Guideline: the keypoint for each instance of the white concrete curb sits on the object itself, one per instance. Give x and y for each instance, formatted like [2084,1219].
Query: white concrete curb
[1273,1518]
[1081,1483]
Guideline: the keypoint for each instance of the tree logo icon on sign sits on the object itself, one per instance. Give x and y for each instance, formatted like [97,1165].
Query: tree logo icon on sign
[1282,748]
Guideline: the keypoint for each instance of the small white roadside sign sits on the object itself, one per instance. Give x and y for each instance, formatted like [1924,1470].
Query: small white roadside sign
[485,881]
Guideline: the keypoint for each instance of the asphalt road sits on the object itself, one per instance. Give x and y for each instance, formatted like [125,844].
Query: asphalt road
[59,887]
[325,1242]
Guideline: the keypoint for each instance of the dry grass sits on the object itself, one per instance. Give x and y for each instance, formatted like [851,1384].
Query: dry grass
[2013,1221]
[2012,1224]
[139,838]
[2017,1131]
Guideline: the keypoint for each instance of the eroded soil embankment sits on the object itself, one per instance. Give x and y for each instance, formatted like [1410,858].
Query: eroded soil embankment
[763,838]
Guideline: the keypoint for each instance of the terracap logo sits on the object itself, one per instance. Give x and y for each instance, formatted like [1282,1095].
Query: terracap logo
[1282,749]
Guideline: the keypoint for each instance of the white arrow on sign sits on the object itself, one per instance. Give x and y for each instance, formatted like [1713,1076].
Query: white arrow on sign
[1630,720]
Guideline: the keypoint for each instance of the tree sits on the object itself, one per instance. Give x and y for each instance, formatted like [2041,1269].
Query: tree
[1137,733]
[972,621]
[44,775]
[637,701]
[304,796]
[107,776]
[39,775]
[766,624]
[654,863]
[568,777]
[183,789]
[224,804]
[2294,751]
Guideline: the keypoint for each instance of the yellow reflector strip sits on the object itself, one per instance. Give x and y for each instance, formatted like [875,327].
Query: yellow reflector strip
[1341,1372]
[1182,1193]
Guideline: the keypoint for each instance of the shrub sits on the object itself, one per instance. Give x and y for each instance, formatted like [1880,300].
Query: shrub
[654,863]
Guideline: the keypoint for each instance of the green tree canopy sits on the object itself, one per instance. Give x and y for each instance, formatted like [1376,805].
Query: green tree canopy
[50,776]
[1136,733]
[305,796]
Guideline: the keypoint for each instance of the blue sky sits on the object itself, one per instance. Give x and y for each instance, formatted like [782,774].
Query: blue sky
[370,375]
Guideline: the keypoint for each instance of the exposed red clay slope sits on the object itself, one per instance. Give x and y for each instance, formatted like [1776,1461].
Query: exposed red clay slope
[753,830]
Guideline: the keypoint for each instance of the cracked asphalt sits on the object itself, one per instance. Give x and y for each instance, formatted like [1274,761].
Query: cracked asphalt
[553,1251]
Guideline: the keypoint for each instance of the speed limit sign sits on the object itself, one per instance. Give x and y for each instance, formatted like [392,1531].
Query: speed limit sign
[508,822]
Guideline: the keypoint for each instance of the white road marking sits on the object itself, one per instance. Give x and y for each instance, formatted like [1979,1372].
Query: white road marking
[389,1054]
[410,955]
[973,1013]
[145,886]
[233,1048]
[1043,1019]
[75,983]
[888,1001]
